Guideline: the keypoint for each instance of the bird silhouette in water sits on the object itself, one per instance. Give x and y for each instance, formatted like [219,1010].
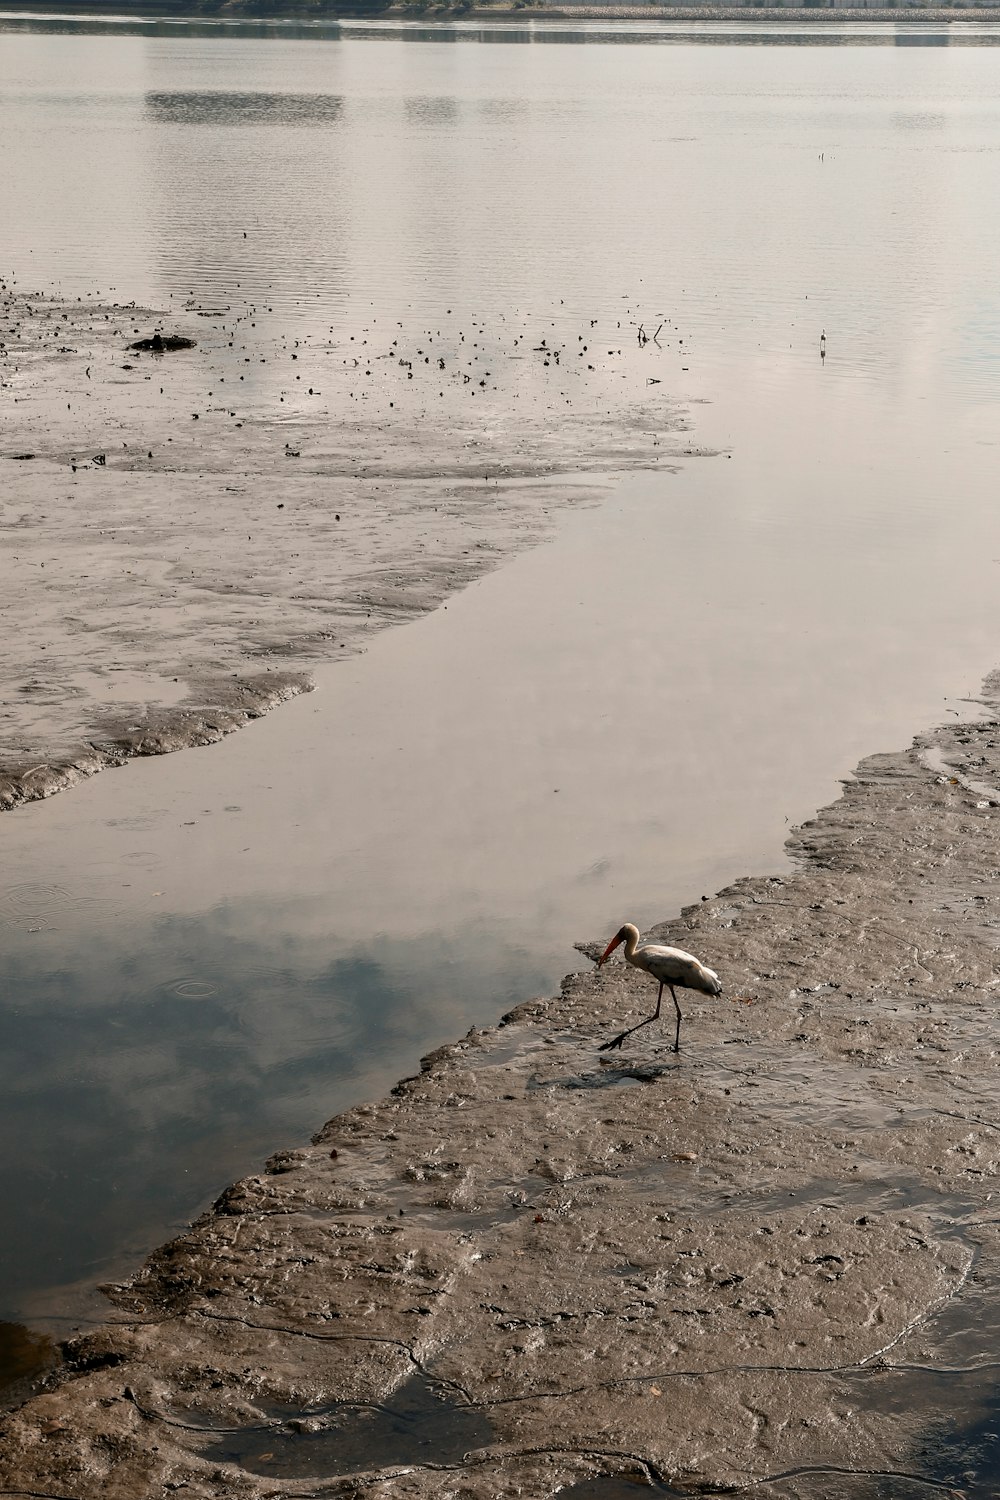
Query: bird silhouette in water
[671,966]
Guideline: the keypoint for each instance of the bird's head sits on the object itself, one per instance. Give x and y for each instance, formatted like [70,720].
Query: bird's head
[619,937]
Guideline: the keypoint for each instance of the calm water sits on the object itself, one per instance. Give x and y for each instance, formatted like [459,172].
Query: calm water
[205,957]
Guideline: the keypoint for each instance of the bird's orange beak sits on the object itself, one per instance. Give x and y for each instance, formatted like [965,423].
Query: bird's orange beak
[609,949]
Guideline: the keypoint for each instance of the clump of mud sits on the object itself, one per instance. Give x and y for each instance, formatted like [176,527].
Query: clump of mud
[163,343]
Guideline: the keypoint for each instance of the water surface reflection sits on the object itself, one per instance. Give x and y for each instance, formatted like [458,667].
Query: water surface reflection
[148,1059]
[224,108]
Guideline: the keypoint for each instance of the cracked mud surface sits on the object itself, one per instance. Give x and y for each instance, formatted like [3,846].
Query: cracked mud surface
[769,1265]
[185,533]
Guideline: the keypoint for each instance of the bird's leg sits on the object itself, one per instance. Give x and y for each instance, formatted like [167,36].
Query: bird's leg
[677,1034]
[617,1041]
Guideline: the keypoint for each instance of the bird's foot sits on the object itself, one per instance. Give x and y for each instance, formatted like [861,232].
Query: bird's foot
[614,1042]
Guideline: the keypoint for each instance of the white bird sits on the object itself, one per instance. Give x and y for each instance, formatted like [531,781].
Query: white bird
[670,966]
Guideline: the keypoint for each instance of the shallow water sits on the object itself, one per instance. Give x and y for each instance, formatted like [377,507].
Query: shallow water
[206,956]
[418,1424]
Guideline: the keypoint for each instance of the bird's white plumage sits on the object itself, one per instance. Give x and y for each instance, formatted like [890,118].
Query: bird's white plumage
[670,966]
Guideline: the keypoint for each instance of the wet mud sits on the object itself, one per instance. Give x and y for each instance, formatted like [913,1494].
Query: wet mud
[189,528]
[768,1265]
[25,1356]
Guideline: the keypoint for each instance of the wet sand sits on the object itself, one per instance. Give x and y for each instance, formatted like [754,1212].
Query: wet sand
[189,531]
[538,1268]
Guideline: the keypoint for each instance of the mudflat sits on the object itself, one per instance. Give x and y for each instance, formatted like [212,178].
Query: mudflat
[188,529]
[771,1259]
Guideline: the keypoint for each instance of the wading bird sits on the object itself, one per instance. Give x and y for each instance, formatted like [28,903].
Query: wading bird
[670,966]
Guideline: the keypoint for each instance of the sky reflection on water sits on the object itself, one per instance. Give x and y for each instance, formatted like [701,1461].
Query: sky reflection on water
[149,1059]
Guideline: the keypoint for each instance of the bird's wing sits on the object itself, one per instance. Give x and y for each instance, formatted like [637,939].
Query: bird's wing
[676,966]
[660,953]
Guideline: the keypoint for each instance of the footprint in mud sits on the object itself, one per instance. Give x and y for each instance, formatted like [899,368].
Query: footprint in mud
[192,989]
[35,904]
[607,1077]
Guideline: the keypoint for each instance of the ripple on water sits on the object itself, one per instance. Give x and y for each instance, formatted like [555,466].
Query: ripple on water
[143,859]
[192,989]
[137,822]
[252,978]
[39,904]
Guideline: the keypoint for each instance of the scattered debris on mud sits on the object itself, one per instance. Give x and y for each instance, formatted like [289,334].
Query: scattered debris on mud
[267,501]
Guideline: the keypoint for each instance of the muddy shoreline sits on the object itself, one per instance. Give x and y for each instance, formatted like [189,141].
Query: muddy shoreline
[770,1261]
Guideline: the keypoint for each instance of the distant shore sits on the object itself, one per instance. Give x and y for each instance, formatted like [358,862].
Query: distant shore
[522,10]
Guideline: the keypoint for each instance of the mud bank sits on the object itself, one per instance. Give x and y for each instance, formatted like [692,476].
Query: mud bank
[771,1262]
[187,531]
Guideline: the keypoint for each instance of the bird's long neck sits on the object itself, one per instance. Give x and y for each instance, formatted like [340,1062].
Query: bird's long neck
[631,941]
